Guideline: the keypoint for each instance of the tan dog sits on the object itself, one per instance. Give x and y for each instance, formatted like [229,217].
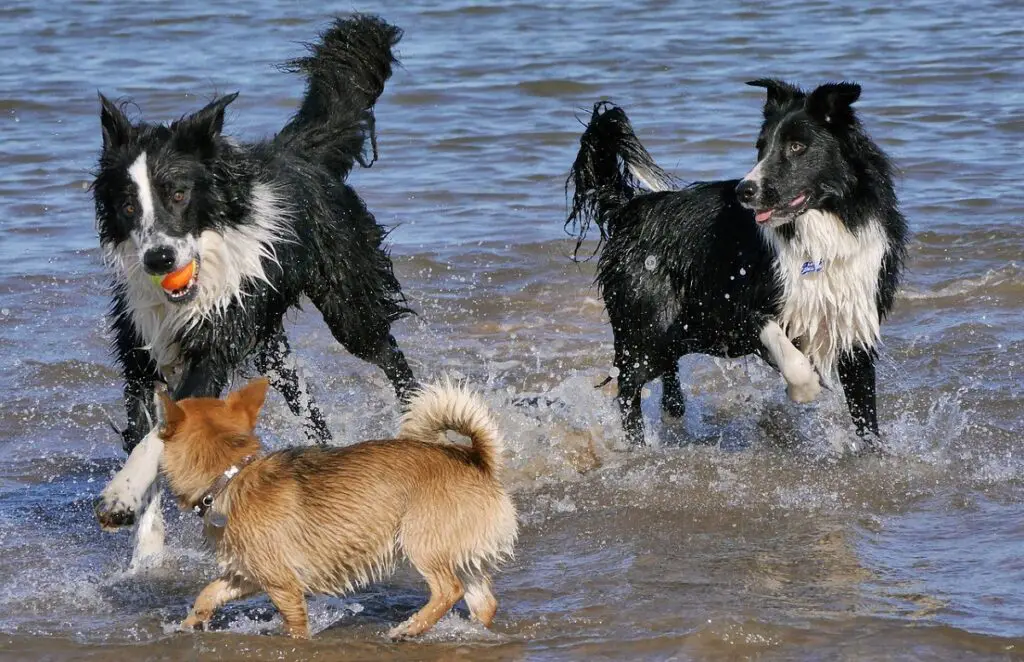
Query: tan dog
[328,520]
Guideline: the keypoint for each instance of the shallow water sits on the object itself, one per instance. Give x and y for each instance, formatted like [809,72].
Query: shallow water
[742,533]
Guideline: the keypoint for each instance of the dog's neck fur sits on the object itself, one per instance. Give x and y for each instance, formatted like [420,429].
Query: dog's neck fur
[231,258]
[192,466]
[829,277]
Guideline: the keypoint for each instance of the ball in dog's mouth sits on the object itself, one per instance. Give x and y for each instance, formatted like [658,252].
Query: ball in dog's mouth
[181,285]
[794,207]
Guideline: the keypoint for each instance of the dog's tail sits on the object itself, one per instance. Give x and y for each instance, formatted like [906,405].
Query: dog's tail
[437,408]
[611,168]
[345,74]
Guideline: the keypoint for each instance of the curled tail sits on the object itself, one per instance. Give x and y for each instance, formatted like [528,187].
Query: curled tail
[437,408]
[611,167]
[345,74]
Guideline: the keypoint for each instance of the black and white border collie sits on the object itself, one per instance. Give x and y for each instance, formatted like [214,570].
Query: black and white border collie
[257,226]
[798,262]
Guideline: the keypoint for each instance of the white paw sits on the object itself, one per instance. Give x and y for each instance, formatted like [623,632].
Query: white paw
[804,393]
[113,513]
[802,383]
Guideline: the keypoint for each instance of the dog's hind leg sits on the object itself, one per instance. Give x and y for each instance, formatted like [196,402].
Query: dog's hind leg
[386,355]
[634,372]
[481,602]
[445,591]
[673,402]
[857,375]
[291,602]
[276,361]
[367,339]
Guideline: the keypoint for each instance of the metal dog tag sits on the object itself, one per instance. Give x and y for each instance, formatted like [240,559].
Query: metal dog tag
[217,518]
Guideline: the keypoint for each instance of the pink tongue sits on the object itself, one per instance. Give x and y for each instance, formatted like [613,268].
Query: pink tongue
[763,216]
[798,200]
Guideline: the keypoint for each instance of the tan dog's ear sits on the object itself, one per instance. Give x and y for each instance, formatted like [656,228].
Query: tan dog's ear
[168,413]
[249,399]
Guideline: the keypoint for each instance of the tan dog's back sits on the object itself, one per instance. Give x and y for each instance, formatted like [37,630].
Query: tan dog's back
[327,520]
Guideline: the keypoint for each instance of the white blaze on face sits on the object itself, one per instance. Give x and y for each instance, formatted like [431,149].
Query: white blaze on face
[755,174]
[139,174]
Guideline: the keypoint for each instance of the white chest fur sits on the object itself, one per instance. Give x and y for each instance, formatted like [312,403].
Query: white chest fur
[228,260]
[829,278]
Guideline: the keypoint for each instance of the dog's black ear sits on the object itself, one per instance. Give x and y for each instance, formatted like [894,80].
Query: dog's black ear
[207,123]
[831,102]
[779,93]
[117,129]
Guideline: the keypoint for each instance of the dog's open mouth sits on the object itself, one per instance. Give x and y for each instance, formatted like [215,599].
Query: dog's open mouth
[793,208]
[180,286]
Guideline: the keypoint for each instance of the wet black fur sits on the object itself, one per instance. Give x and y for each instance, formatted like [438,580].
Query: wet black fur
[336,256]
[687,270]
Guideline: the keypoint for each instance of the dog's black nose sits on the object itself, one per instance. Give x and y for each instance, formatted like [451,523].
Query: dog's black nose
[746,191]
[159,260]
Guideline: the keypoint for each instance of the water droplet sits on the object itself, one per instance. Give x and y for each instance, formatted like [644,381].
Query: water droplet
[743,272]
[651,262]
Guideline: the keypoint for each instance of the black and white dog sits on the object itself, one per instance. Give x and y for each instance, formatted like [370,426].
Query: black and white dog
[798,262]
[210,242]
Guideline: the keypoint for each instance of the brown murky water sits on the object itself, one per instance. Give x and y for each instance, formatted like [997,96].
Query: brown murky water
[742,533]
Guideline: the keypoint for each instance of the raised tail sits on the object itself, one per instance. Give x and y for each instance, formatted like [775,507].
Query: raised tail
[611,167]
[345,74]
[437,408]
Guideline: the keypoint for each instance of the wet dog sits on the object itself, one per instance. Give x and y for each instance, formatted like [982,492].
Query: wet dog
[210,242]
[798,262]
[329,520]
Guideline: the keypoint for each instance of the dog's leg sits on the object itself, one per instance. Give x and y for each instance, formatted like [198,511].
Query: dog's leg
[124,495]
[376,347]
[481,602]
[291,602]
[445,591]
[216,594]
[857,375]
[148,543]
[362,327]
[276,361]
[392,361]
[802,383]
[634,372]
[140,372]
[672,401]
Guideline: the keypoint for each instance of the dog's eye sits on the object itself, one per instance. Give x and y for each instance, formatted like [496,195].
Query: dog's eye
[129,209]
[179,196]
[797,148]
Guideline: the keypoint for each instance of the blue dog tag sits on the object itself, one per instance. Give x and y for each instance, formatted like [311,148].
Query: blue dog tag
[811,267]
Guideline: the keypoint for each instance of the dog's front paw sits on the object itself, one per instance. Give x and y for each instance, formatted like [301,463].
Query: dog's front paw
[802,383]
[193,622]
[805,392]
[112,513]
[403,631]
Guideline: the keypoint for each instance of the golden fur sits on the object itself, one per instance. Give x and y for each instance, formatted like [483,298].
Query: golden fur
[328,520]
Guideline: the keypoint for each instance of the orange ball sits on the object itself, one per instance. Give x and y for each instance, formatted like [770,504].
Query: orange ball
[176,280]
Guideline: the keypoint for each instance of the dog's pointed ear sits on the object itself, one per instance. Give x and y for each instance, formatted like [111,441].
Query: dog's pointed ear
[117,129]
[779,93]
[168,413]
[249,399]
[832,102]
[206,123]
